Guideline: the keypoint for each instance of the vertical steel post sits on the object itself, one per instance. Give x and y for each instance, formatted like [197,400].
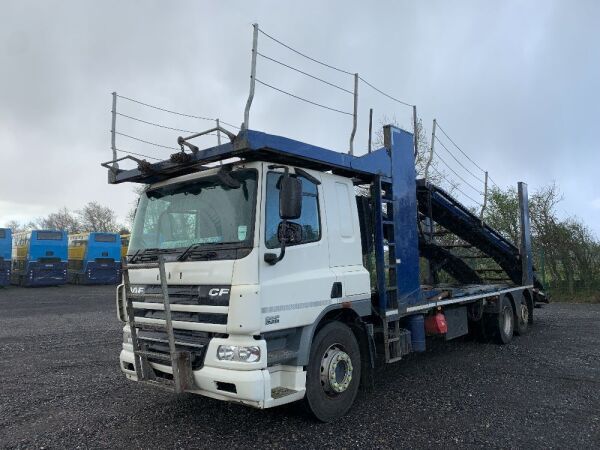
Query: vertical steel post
[370,127]
[113,136]
[112,174]
[169,323]
[218,132]
[430,159]
[431,272]
[252,78]
[351,151]
[525,247]
[416,130]
[485,194]
[219,138]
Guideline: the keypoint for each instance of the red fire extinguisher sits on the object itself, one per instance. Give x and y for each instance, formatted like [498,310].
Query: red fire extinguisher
[436,324]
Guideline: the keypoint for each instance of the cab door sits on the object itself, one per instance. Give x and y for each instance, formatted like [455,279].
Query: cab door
[295,290]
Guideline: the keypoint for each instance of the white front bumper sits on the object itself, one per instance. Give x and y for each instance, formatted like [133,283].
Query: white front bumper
[252,387]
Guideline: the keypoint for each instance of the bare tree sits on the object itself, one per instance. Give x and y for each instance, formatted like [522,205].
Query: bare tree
[16,226]
[63,219]
[95,217]
[435,174]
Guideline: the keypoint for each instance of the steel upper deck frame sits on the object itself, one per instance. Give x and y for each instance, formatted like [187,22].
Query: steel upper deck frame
[255,145]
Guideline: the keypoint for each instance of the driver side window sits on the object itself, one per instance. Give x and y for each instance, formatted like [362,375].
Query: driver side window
[309,221]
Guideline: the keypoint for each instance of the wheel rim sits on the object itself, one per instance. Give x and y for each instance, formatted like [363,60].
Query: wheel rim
[336,370]
[524,313]
[507,325]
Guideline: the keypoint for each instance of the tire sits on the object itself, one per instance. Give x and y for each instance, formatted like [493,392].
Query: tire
[475,320]
[333,372]
[531,307]
[477,330]
[501,326]
[522,321]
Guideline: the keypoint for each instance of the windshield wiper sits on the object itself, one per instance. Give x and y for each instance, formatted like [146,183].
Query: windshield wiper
[138,254]
[187,252]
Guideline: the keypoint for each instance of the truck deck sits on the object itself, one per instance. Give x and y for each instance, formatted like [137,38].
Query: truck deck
[432,202]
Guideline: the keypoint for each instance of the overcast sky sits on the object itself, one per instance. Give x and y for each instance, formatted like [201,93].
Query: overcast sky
[516,84]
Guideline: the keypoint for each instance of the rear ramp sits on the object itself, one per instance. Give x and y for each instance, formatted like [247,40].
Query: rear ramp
[448,212]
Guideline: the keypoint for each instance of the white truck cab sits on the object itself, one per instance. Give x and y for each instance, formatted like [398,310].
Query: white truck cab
[248,323]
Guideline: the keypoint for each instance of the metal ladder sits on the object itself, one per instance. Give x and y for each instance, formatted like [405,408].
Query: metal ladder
[180,360]
[396,340]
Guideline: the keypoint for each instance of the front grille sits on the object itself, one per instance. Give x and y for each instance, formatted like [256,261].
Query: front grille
[200,305]
[195,343]
[191,294]
[218,319]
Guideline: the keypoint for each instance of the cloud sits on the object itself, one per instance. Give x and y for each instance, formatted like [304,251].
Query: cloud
[516,86]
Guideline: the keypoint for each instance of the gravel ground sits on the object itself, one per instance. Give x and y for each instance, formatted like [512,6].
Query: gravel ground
[61,388]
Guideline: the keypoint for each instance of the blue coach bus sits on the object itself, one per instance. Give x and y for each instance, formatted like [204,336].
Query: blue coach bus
[95,258]
[39,258]
[5,255]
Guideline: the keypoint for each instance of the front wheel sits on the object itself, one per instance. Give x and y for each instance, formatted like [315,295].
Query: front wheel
[333,372]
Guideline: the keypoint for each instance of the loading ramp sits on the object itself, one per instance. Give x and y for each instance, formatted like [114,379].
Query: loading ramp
[445,210]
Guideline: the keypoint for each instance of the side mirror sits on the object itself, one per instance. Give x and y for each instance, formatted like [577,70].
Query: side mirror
[290,198]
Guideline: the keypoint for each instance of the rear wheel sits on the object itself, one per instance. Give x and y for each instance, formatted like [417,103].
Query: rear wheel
[522,321]
[333,372]
[502,324]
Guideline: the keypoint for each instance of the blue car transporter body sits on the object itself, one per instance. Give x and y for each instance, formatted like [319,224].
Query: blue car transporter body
[5,255]
[40,258]
[95,258]
[388,324]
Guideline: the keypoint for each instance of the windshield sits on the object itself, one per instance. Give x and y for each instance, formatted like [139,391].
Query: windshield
[207,212]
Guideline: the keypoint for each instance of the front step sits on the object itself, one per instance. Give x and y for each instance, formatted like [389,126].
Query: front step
[396,340]
[281,391]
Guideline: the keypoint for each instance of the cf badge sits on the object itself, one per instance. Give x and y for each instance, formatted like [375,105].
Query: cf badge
[218,292]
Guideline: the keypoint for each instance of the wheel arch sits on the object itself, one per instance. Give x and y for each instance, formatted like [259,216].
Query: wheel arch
[349,316]
[363,332]
[495,306]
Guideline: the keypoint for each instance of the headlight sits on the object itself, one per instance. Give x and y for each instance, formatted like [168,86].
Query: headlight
[238,353]
[127,337]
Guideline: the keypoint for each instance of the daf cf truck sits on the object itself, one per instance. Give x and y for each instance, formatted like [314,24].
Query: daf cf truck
[268,280]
